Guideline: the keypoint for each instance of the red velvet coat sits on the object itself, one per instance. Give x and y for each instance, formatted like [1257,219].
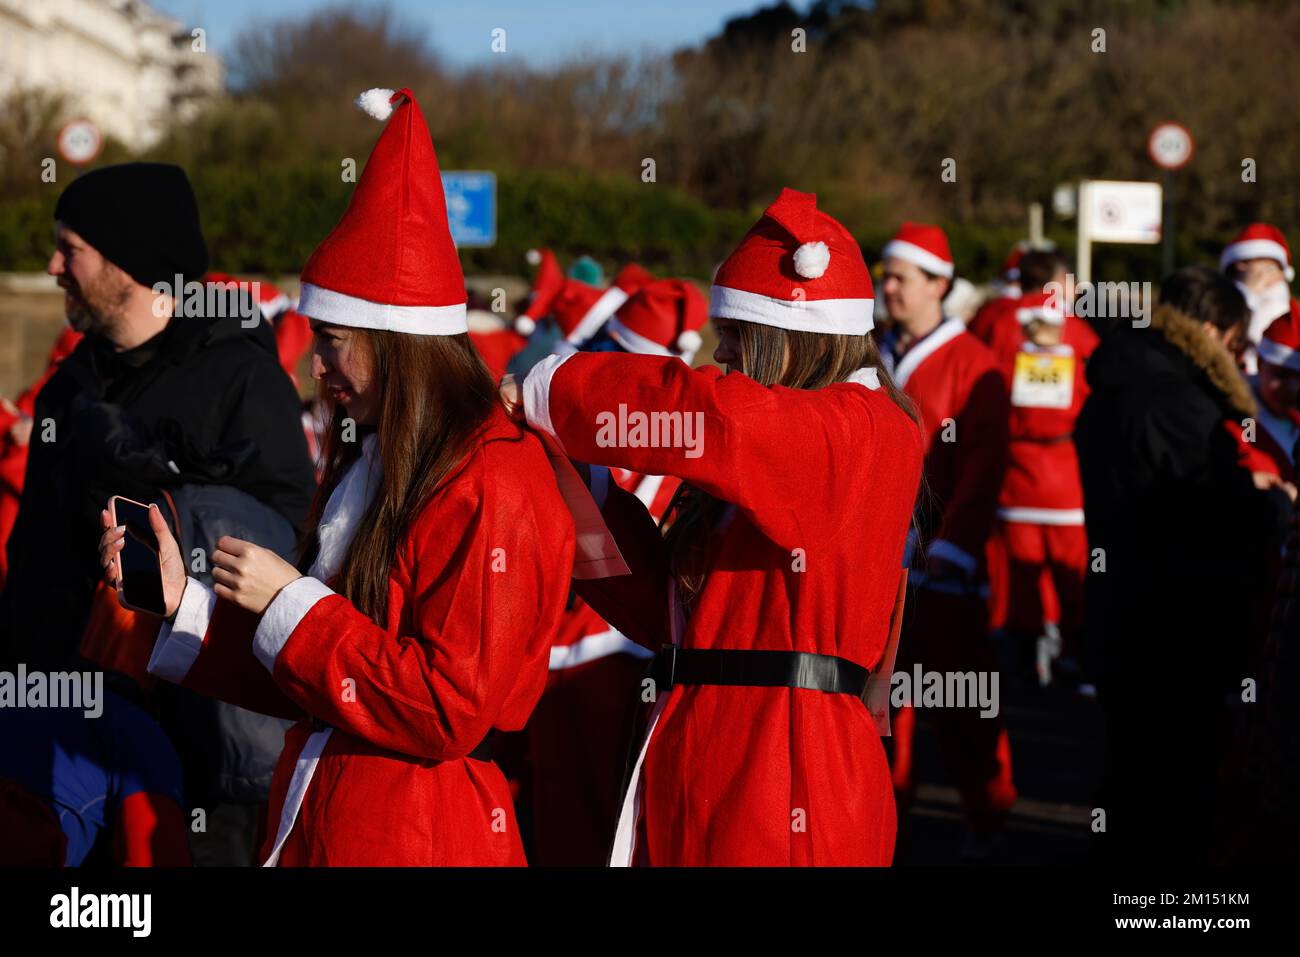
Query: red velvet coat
[475,593]
[822,485]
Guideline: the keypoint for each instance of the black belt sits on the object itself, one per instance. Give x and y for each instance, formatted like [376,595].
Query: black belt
[761,669]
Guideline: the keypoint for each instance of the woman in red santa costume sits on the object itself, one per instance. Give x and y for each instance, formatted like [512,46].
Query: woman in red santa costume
[437,560]
[775,582]
[578,736]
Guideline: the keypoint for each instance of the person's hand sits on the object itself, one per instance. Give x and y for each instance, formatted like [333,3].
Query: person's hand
[21,430]
[512,398]
[249,575]
[169,557]
[1267,480]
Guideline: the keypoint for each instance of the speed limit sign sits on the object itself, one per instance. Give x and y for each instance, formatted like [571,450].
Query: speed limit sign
[80,142]
[1170,146]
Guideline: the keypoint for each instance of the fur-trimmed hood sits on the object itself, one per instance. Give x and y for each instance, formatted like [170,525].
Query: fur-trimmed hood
[1185,335]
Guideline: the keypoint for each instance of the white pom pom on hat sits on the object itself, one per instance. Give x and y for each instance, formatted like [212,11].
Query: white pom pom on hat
[377,102]
[811,260]
[534,257]
[689,341]
[525,325]
[795,240]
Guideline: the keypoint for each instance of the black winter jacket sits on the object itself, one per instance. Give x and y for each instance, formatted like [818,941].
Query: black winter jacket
[205,401]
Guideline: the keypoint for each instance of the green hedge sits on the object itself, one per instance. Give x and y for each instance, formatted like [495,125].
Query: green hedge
[27,233]
[268,220]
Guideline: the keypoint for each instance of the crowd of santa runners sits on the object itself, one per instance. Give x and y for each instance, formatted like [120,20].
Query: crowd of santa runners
[440,614]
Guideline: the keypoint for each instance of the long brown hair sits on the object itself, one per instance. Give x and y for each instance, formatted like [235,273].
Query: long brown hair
[815,360]
[435,393]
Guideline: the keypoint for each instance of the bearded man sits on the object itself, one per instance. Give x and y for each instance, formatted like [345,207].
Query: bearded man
[153,397]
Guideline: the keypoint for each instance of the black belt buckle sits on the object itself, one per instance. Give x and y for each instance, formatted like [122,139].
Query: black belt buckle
[665,668]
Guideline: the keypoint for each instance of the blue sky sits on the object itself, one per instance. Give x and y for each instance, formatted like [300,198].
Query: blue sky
[539,31]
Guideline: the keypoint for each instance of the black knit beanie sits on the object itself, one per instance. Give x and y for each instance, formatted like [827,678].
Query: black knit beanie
[142,217]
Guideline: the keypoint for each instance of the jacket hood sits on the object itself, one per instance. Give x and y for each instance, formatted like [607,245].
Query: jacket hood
[1172,348]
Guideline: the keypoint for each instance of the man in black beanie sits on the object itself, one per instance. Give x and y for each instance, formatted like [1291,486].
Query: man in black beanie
[153,398]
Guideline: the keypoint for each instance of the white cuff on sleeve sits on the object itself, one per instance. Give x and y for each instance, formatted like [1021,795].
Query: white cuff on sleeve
[282,616]
[537,393]
[179,642]
[940,548]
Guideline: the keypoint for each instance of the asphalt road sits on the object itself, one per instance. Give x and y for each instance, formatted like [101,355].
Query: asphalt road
[1056,753]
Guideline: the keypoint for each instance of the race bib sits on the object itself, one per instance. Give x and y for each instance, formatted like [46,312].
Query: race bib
[1043,380]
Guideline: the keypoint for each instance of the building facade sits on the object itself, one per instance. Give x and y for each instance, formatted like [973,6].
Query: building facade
[121,64]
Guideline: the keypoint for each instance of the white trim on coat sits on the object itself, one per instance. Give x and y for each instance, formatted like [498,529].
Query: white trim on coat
[303,770]
[648,488]
[845,317]
[592,647]
[340,309]
[282,617]
[868,376]
[537,394]
[1041,516]
[180,641]
[943,334]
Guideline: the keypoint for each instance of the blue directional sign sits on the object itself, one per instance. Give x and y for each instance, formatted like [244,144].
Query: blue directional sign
[471,206]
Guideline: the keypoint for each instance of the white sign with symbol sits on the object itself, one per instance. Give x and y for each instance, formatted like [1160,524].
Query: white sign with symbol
[1170,146]
[79,142]
[1119,212]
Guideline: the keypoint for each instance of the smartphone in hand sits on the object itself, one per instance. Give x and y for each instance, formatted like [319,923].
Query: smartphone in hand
[139,567]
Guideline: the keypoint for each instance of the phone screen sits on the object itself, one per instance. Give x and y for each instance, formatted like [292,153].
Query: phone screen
[140,567]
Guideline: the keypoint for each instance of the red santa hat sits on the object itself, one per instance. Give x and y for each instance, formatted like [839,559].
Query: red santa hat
[1280,345]
[292,331]
[922,245]
[546,286]
[571,303]
[1043,306]
[270,300]
[1259,241]
[1011,265]
[627,281]
[796,268]
[663,318]
[390,263]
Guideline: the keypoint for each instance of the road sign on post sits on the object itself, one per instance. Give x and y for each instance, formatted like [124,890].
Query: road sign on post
[1116,212]
[471,206]
[1170,147]
[80,142]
